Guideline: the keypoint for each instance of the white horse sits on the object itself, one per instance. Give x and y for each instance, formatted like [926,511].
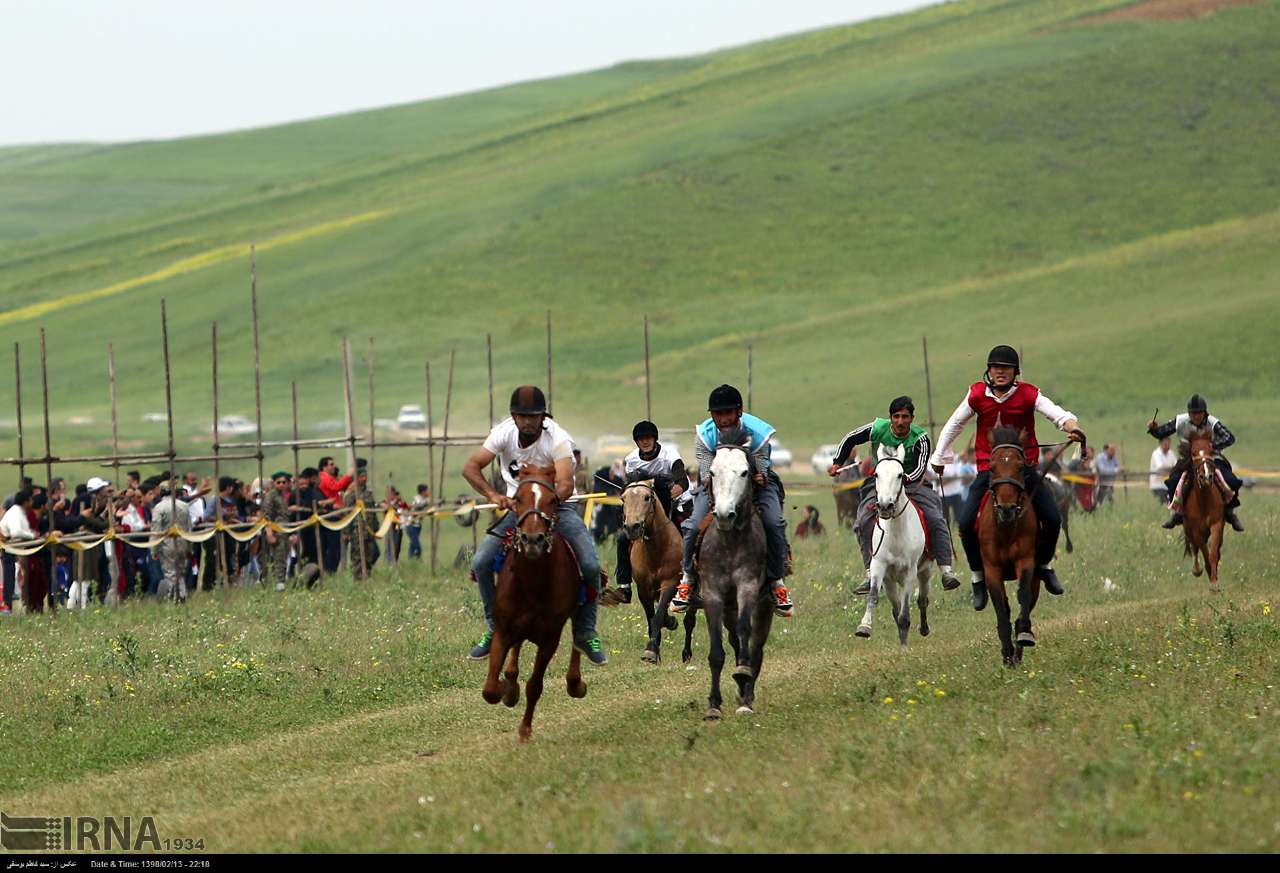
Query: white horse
[898,559]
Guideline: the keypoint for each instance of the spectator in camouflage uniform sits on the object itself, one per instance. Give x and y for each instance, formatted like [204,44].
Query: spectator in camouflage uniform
[275,507]
[360,488]
[173,554]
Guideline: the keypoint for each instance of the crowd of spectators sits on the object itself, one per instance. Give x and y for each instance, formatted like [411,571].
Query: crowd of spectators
[117,570]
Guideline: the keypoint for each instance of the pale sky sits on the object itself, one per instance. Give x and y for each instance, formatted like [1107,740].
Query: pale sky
[119,70]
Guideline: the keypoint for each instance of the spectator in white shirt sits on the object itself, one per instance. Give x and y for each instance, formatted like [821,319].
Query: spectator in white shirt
[14,526]
[1163,460]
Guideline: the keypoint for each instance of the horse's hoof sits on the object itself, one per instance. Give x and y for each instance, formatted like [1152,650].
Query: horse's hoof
[924,630]
[686,656]
[671,623]
[743,671]
[579,690]
[745,710]
[713,714]
[490,696]
[649,656]
[864,631]
[512,695]
[526,734]
[1197,572]
[1010,661]
[1026,638]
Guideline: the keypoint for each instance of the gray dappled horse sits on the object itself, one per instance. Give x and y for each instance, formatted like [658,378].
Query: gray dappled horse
[731,567]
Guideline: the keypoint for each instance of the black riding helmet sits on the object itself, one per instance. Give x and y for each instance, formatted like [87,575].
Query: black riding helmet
[724,398]
[1197,404]
[1003,356]
[528,400]
[644,429]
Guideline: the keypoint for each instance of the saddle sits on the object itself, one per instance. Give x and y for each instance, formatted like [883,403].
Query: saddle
[702,532]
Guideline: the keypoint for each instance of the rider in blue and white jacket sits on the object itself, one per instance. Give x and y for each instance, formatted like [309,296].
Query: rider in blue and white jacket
[725,406]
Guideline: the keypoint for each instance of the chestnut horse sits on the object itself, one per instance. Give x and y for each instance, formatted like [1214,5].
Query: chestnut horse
[1007,529]
[656,553]
[1203,509]
[537,593]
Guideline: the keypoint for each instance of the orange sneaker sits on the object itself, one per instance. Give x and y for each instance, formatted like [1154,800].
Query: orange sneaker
[782,604]
[680,602]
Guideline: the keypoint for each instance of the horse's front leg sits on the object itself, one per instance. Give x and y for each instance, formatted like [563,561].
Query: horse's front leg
[901,594]
[533,687]
[923,573]
[498,646]
[653,647]
[1028,594]
[1000,602]
[747,596]
[511,690]
[714,610]
[873,597]
[573,678]
[1213,553]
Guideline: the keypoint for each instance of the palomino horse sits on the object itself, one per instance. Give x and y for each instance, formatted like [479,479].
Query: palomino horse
[537,593]
[731,566]
[847,497]
[1203,509]
[1007,529]
[899,562]
[656,553]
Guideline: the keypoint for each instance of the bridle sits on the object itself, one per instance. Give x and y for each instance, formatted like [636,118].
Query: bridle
[521,539]
[902,486]
[742,518]
[1016,482]
[653,494]
[1202,462]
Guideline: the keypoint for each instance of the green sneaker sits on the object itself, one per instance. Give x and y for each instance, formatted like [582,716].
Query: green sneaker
[594,651]
[480,651]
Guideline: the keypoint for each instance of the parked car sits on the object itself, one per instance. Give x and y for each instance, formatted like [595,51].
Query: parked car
[779,454]
[411,417]
[823,458]
[234,424]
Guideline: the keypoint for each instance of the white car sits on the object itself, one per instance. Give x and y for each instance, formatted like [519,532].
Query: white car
[779,455]
[823,458]
[411,417]
[234,424]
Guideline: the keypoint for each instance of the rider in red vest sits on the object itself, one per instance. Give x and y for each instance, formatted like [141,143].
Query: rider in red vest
[1000,400]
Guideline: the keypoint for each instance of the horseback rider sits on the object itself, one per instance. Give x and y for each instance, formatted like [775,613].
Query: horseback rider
[1000,400]
[530,436]
[898,429]
[650,459]
[1197,421]
[725,406]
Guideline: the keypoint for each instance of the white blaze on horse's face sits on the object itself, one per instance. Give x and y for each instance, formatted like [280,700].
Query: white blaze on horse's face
[890,479]
[730,484]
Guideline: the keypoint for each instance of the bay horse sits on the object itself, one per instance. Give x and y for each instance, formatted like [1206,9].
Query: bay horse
[537,592]
[900,563]
[1007,529]
[657,550]
[731,566]
[1203,509]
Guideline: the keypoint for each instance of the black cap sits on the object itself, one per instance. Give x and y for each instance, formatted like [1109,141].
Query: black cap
[1197,404]
[723,398]
[1004,356]
[528,400]
[903,402]
[644,429]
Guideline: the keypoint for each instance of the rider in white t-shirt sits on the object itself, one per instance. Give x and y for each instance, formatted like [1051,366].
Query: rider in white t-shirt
[530,436]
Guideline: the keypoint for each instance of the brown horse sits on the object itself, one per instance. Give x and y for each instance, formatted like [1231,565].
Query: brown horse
[1203,509]
[1007,529]
[537,593]
[656,553]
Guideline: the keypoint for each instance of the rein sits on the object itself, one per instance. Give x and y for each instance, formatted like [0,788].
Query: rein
[649,515]
[902,486]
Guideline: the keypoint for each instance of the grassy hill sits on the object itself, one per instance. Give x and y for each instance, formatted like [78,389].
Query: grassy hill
[1105,195]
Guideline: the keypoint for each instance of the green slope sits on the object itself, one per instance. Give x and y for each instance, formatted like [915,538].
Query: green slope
[1104,195]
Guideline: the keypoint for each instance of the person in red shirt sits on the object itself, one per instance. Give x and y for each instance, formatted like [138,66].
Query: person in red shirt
[331,487]
[1000,400]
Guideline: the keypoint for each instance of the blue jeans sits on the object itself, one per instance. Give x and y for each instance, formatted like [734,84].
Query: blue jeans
[769,504]
[415,540]
[571,526]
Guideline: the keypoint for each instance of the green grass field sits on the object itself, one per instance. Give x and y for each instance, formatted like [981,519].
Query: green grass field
[1105,196]
[345,719]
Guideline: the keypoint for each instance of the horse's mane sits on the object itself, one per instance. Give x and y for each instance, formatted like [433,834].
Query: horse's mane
[1006,436]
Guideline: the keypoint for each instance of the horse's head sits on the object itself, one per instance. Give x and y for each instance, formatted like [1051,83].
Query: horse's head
[639,502]
[1007,484]
[1200,456]
[537,509]
[891,480]
[731,485]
